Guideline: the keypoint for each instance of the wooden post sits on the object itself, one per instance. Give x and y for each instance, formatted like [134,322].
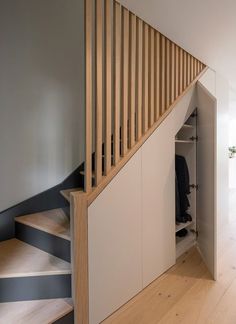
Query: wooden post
[79,256]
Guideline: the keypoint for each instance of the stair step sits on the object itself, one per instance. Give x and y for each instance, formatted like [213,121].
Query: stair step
[19,259]
[28,273]
[66,193]
[34,312]
[53,221]
[48,231]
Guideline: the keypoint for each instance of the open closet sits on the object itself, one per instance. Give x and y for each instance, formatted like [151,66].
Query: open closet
[195,155]
[186,185]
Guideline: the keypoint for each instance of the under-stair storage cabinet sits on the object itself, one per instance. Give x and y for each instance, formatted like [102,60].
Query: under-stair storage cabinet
[131,224]
[195,144]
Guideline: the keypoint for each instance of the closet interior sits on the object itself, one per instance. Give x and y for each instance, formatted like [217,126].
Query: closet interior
[186,185]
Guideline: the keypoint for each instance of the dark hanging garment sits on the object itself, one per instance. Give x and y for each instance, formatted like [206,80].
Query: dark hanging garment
[182,176]
[177,201]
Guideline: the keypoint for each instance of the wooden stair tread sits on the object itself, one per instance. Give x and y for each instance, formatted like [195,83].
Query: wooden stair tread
[66,193]
[53,221]
[19,259]
[35,311]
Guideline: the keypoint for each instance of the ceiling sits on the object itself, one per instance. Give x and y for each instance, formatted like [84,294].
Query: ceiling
[205,28]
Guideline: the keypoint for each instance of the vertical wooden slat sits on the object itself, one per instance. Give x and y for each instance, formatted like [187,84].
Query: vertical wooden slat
[157,76]
[195,68]
[184,70]
[188,69]
[132,81]
[108,31]
[163,74]
[139,78]
[99,91]
[88,95]
[176,71]
[117,82]
[198,67]
[125,84]
[172,72]
[167,73]
[151,76]
[192,73]
[145,76]
[180,70]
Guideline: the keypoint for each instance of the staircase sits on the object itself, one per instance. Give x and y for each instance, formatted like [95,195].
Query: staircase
[35,270]
[127,96]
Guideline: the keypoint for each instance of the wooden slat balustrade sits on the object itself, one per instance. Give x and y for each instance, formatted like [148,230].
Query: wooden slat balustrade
[142,75]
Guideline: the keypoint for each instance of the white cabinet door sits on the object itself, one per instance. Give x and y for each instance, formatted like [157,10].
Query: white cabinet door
[206,175]
[158,197]
[115,243]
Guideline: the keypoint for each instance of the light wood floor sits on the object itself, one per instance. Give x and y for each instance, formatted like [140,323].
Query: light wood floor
[186,294]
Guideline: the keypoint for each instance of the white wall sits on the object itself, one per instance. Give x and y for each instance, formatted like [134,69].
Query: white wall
[41,99]
[204,28]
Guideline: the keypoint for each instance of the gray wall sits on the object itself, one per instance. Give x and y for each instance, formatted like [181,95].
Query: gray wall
[41,95]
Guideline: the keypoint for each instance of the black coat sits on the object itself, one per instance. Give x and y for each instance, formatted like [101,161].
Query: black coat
[182,185]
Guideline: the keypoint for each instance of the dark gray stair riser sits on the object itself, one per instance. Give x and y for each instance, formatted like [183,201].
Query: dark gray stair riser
[49,243]
[33,288]
[67,319]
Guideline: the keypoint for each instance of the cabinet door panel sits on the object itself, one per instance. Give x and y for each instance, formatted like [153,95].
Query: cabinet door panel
[158,192]
[206,216]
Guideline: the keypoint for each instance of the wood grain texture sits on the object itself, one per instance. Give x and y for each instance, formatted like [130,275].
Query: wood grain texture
[19,259]
[79,253]
[133,72]
[184,69]
[163,75]
[139,77]
[173,71]
[151,76]
[88,95]
[54,222]
[176,71]
[145,77]
[167,74]
[157,77]
[180,70]
[34,311]
[188,68]
[117,81]
[99,91]
[192,73]
[109,79]
[125,83]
